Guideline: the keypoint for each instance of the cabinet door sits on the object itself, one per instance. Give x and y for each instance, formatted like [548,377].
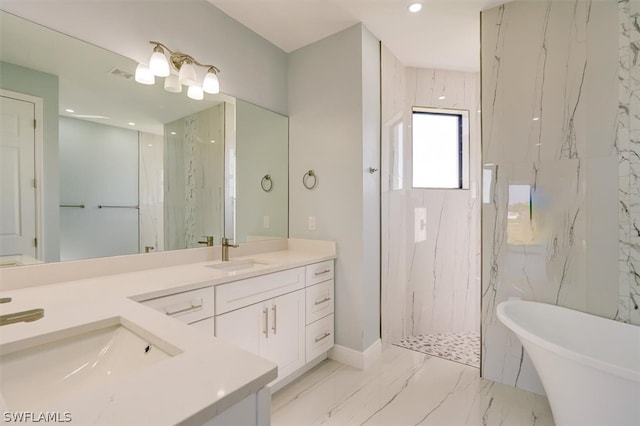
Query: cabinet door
[286,341]
[245,328]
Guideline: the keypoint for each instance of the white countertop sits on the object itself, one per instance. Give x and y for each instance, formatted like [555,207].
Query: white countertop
[206,378]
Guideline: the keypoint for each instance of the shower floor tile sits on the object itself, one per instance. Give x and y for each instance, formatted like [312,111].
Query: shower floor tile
[463,348]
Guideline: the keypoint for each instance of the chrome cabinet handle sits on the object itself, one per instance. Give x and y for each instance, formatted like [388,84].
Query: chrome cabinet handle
[274,327]
[193,307]
[320,302]
[321,272]
[265,311]
[324,336]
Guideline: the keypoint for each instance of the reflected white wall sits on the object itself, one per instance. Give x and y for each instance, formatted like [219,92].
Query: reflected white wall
[98,167]
[151,183]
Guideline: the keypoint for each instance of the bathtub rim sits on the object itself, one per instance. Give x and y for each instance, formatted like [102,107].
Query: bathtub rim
[590,361]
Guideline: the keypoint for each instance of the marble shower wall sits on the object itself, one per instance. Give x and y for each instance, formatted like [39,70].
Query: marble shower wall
[151,190]
[550,172]
[431,242]
[194,178]
[628,145]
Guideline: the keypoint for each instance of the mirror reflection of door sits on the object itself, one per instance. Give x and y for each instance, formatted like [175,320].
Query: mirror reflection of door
[17,180]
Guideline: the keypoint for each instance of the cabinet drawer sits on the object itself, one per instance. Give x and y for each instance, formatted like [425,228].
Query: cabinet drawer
[319,272]
[242,293]
[319,299]
[319,336]
[188,306]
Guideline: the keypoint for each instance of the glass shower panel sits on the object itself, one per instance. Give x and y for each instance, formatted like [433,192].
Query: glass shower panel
[98,190]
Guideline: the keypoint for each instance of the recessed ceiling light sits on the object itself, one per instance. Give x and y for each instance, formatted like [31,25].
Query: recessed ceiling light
[212,141]
[173,133]
[69,110]
[415,7]
[442,97]
[132,123]
[536,118]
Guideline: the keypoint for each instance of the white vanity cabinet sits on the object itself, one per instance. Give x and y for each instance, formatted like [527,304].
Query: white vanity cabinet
[265,315]
[319,331]
[195,307]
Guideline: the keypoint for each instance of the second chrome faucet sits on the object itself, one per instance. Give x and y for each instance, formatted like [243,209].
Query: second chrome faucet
[225,249]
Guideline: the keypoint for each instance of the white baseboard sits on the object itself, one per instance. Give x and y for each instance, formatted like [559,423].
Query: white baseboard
[276,385]
[357,359]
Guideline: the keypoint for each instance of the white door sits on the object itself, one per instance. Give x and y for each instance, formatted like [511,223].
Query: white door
[17,178]
[245,327]
[286,342]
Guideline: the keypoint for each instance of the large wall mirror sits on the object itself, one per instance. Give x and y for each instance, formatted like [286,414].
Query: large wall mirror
[114,167]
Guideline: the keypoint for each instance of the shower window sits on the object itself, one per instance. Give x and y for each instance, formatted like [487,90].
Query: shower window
[440,148]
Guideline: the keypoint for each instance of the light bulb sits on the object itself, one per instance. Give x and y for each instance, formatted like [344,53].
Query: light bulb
[159,64]
[211,83]
[144,75]
[415,7]
[171,84]
[196,93]
[188,75]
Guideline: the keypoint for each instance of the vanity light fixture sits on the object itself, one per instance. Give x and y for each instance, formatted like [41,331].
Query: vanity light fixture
[144,75]
[164,60]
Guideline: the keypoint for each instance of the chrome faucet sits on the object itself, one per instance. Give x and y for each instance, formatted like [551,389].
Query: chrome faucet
[24,316]
[208,241]
[225,249]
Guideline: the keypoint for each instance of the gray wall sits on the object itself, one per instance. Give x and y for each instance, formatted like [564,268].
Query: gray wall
[251,68]
[45,86]
[262,148]
[549,105]
[333,124]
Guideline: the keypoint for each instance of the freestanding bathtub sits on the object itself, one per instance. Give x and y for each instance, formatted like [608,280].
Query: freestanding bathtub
[589,366]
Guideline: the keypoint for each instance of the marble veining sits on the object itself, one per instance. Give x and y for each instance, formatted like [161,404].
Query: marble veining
[627,144]
[404,388]
[194,167]
[431,249]
[550,79]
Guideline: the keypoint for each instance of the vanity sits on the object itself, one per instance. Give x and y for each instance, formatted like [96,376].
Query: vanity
[271,313]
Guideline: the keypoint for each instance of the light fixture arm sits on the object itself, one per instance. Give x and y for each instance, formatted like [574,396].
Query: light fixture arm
[178,58]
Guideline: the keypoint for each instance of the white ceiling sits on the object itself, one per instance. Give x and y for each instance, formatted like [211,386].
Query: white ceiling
[445,34]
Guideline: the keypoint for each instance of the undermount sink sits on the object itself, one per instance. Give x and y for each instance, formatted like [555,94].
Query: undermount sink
[239,265]
[42,375]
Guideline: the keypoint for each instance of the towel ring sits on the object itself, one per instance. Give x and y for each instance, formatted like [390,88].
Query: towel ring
[266,183]
[306,180]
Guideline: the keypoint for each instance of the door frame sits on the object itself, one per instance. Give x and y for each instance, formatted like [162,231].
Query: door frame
[38,161]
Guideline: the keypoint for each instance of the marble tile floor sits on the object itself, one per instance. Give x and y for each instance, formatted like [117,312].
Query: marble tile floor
[404,387]
[461,347]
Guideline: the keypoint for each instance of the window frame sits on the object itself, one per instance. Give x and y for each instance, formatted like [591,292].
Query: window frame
[463,145]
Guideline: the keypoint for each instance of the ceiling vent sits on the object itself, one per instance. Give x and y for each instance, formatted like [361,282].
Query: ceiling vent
[120,73]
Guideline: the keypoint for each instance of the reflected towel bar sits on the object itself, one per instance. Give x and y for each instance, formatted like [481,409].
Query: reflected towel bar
[118,207]
[77,206]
